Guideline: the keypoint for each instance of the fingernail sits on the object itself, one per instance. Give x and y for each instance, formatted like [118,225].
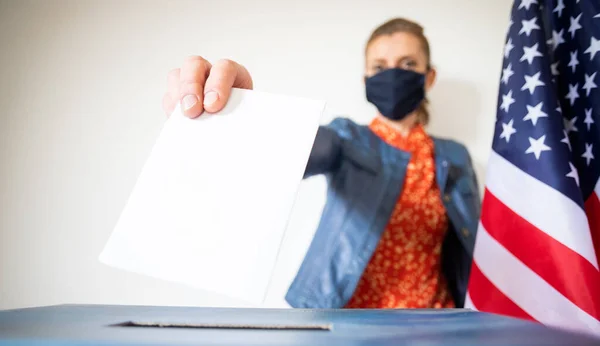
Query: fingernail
[210,98]
[189,101]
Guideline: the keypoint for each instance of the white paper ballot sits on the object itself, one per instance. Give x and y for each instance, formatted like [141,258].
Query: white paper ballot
[211,205]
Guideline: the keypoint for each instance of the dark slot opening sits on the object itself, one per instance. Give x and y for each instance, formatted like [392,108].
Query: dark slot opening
[308,327]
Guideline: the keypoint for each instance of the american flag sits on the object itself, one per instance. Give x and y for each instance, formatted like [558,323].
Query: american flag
[538,242]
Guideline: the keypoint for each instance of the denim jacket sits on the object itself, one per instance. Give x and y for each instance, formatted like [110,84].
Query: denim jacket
[365,176]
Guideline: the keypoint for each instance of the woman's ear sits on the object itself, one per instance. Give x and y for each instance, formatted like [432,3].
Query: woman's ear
[430,78]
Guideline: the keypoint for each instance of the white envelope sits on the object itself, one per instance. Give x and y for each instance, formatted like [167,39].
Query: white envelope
[211,205]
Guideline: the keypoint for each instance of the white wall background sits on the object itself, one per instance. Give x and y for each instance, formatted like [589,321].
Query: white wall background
[80,92]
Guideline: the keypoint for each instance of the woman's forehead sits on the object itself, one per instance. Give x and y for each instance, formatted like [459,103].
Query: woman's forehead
[395,46]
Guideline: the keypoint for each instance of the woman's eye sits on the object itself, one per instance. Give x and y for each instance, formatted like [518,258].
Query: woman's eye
[409,64]
[379,68]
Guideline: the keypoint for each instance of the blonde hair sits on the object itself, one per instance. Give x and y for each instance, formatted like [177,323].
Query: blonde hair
[396,25]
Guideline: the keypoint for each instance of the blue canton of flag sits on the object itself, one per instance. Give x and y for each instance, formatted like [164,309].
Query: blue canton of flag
[549,98]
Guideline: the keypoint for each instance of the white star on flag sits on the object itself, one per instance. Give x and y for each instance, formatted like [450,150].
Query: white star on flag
[573,93]
[588,118]
[557,39]
[534,113]
[559,8]
[566,140]
[537,146]
[507,73]
[527,4]
[508,47]
[529,26]
[508,130]
[588,155]
[532,82]
[594,48]
[570,124]
[574,62]
[589,83]
[507,100]
[530,53]
[573,173]
[574,25]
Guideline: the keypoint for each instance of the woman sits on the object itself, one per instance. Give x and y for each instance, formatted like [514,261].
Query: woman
[402,209]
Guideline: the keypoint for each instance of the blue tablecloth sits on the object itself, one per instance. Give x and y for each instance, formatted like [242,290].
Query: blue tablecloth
[123,325]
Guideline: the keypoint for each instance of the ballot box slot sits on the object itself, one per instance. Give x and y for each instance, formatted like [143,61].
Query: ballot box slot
[249,326]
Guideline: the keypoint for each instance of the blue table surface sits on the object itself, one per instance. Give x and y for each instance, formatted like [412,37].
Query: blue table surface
[94,325]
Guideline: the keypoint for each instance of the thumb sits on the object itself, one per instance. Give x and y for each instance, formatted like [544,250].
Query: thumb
[224,75]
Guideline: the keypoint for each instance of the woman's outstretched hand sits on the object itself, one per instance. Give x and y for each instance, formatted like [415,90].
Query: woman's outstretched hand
[201,86]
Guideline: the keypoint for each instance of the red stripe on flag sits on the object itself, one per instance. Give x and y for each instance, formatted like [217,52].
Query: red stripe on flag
[486,297]
[592,210]
[564,269]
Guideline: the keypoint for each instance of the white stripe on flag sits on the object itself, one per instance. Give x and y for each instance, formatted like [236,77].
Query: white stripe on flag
[597,188]
[527,289]
[469,303]
[541,205]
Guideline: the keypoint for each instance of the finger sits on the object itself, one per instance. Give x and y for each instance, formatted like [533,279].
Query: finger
[191,85]
[171,97]
[224,75]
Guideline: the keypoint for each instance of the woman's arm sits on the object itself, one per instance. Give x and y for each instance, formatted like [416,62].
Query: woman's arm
[326,152]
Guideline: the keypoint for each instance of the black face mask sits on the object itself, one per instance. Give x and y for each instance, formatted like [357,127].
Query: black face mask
[396,92]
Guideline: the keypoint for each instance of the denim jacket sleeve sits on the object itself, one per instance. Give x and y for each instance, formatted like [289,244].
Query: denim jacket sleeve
[327,150]
[473,177]
[474,183]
